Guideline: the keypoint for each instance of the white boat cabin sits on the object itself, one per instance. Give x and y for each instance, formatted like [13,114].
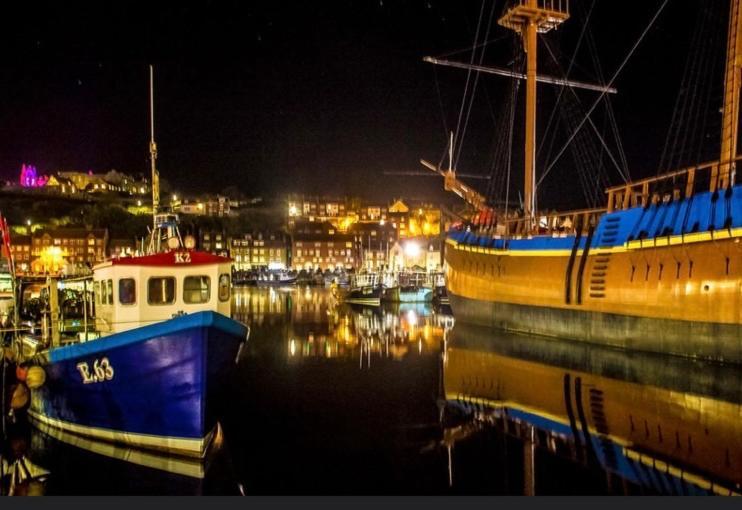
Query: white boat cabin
[132,292]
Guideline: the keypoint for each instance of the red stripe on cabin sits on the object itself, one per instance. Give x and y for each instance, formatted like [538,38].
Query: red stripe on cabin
[172,258]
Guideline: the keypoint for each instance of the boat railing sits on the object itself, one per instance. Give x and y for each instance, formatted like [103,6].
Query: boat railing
[546,223]
[673,185]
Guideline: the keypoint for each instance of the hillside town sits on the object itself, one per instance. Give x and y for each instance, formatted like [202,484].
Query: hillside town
[293,232]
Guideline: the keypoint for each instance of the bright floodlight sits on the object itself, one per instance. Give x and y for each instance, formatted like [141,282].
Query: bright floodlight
[412,249]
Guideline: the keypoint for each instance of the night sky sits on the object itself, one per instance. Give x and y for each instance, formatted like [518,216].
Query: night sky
[313,97]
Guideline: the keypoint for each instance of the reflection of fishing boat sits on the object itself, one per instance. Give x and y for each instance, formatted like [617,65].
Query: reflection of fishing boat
[184,466]
[152,374]
[640,418]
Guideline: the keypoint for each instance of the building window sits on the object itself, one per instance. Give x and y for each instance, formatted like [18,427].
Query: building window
[224,287]
[196,289]
[127,291]
[161,291]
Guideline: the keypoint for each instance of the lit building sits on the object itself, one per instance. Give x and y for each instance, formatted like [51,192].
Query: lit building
[214,241]
[110,182]
[421,252]
[20,246]
[315,209]
[69,250]
[413,221]
[219,206]
[377,213]
[187,207]
[61,185]
[259,249]
[321,246]
[29,177]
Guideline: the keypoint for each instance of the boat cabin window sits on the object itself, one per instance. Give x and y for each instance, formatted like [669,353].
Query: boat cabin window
[196,289]
[224,287]
[161,291]
[106,292]
[96,292]
[127,291]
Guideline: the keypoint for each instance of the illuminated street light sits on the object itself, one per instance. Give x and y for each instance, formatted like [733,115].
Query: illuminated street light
[28,222]
[293,211]
[412,249]
[175,197]
[139,203]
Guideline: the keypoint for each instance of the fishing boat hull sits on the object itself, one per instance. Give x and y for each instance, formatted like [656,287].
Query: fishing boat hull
[679,293]
[369,296]
[154,387]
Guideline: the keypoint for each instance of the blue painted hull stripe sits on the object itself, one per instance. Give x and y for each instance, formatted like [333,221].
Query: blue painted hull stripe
[132,336]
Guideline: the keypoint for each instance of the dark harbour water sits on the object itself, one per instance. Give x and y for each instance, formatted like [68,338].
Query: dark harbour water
[334,400]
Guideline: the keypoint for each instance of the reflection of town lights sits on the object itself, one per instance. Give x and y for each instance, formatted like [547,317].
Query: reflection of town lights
[412,318]
[292,347]
[412,249]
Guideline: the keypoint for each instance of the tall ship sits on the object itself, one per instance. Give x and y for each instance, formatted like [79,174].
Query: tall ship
[658,268]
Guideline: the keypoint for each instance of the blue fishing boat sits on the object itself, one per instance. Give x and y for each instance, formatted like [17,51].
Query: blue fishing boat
[163,345]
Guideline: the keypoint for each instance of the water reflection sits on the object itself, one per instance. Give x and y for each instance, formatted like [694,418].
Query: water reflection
[316,327]
[628,423]
[332,399]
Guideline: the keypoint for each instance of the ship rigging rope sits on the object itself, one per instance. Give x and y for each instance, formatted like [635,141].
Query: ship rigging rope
[459,143]
[685,136]
[602,94]
[552,116]
[592,123]
[468,75]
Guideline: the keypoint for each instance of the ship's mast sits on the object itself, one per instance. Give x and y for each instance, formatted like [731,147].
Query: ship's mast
[529,18]
[724,175]
[153,149]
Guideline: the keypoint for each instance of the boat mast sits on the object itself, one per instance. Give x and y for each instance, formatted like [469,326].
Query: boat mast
[529,18]
[722,176]
[153,149]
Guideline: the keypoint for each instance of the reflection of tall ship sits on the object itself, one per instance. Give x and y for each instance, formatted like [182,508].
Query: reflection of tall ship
[660,427]
[658,269]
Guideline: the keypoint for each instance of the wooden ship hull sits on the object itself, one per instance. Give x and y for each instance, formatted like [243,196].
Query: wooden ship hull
[677,293]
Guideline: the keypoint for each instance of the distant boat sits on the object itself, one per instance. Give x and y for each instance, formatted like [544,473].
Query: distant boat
[365,289]
[276,277]
[409,287]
